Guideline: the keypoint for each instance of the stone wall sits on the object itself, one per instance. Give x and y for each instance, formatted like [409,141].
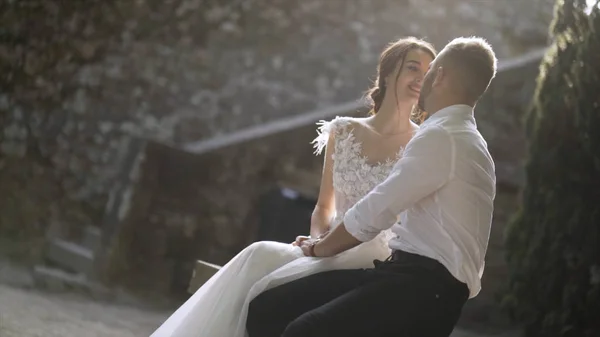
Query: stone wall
[79,79]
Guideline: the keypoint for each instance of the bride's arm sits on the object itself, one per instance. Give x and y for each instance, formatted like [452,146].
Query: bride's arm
[325,207]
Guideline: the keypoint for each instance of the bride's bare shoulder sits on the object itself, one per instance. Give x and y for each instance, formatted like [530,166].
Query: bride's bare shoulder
[352,123]
[341,124]
[358,125]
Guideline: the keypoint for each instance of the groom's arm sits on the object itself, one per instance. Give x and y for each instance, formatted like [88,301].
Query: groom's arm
[338,240]
[427,164]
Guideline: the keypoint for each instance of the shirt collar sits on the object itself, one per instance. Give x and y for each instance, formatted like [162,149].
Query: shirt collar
[452,110]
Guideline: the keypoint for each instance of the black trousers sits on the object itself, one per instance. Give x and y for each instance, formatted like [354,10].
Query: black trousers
[407,295]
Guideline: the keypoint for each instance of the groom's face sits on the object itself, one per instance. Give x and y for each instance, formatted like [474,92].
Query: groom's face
[427,87]
[433,83]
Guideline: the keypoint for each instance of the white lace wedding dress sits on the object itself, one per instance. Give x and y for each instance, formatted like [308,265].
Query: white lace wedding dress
[219,308]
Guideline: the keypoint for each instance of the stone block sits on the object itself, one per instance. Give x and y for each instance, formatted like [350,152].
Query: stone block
[92,238]
[57,280]
[70,256]
[54,279]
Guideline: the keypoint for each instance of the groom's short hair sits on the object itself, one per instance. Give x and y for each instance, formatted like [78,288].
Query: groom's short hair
[473,61]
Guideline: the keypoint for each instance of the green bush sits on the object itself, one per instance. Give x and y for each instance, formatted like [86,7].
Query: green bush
[553,243]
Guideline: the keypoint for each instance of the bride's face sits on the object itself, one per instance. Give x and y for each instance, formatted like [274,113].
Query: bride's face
[409,78]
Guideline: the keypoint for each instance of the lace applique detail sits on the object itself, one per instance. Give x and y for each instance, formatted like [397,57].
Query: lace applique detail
[353,176]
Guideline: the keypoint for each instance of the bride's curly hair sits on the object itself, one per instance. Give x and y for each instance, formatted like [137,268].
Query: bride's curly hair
[393,54]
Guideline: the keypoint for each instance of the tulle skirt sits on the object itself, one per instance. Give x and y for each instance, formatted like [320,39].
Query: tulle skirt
[220,307]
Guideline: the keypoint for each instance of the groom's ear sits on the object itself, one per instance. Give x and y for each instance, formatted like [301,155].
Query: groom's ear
[440,76]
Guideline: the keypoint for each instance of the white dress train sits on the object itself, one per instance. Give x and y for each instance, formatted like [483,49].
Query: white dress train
[219,308]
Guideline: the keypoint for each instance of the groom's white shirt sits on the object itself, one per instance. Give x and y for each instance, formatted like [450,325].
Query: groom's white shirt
[446,183]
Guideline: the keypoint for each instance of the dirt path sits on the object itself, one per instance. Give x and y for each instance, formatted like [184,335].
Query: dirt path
[30,313]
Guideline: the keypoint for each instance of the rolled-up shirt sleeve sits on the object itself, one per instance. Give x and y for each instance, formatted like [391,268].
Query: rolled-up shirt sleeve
[426,165]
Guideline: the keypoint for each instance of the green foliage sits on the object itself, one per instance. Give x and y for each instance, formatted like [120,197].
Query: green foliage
[553,242]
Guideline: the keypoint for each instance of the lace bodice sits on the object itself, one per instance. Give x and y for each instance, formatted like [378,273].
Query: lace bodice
[353,176]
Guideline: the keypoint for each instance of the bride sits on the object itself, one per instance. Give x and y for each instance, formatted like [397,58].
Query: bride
[359,154]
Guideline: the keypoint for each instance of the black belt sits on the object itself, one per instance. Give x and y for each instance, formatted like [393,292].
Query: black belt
[405,260]
[399,256]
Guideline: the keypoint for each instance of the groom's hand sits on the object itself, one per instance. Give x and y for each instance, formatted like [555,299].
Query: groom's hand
[307,247]
[300,239]
[313,248]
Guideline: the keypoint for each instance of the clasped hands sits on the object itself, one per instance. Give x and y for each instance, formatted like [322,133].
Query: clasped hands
[307,244]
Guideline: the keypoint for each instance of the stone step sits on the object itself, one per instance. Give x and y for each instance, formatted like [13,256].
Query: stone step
[202,272]
[54,279]
[70,256]
[92,238]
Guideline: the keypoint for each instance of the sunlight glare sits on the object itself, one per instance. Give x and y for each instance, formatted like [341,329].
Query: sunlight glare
[590,5]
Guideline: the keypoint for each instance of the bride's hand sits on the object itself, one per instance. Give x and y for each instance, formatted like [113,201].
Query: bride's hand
[308,247]
[300,239]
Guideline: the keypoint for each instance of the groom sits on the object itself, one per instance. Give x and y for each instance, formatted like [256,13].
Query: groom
[444,186]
